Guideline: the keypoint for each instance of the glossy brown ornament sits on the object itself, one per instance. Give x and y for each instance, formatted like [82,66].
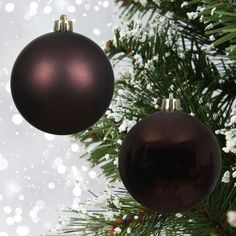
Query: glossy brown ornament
[169,162]
[62,82]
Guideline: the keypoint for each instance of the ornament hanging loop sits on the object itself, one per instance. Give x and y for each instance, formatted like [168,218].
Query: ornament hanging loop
[63,25]
[171,104]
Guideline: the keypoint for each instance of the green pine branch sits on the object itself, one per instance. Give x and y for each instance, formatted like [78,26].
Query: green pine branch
[220,20]
[217,18]
[204,91]
[174,10]
[121,214]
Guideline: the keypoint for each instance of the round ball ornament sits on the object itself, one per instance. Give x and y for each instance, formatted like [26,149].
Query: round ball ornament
[169,162]
[62,82]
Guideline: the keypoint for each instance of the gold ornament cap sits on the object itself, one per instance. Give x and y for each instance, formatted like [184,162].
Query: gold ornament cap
[171,104]
[63,25]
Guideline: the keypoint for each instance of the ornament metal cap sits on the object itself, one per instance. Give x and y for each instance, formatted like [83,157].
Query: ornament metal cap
[63,25]
[171,104]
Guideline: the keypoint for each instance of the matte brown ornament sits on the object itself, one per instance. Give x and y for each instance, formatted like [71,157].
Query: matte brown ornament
[169,162]
[62,82]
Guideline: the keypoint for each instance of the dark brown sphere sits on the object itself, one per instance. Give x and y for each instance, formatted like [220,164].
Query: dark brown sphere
[169,162]
[62,83]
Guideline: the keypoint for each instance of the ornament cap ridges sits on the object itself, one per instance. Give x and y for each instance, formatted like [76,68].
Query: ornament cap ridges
[63,25]
[171,104]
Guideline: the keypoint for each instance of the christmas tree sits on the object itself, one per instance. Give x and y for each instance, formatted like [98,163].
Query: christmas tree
[164,46]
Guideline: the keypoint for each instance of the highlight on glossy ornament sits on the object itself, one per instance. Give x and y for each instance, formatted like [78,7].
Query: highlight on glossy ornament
[169,162]
[62,82]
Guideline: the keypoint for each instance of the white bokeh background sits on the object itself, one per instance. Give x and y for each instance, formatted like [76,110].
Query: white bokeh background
[39,172]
